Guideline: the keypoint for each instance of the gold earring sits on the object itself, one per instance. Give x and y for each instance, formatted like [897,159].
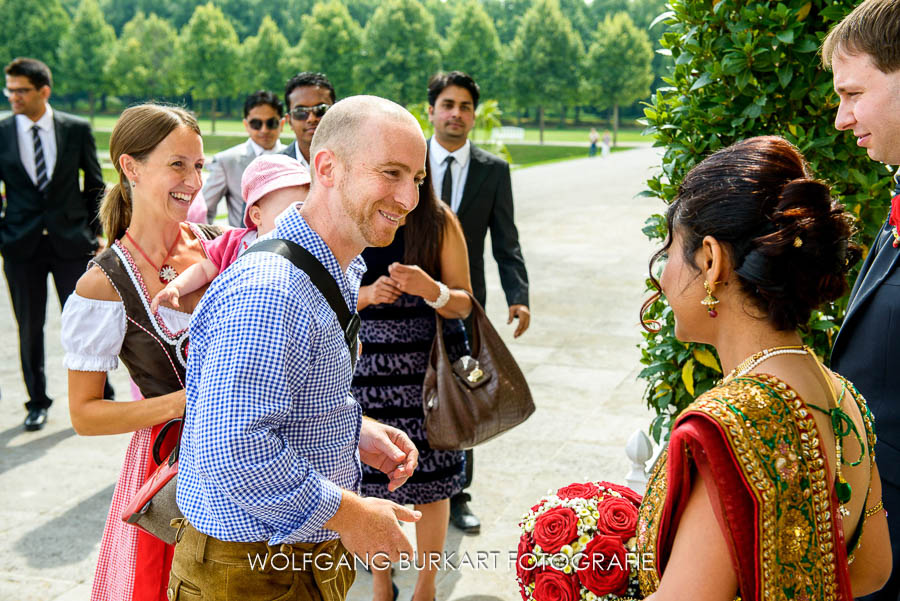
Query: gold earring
[710,301]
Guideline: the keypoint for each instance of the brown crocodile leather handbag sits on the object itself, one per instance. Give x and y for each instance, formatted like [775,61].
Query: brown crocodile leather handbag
[477,397]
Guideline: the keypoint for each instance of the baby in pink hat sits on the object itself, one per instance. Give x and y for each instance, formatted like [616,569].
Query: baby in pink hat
[269,185]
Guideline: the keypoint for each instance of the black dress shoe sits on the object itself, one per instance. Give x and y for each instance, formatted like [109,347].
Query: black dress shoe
[462,517]
[35,419]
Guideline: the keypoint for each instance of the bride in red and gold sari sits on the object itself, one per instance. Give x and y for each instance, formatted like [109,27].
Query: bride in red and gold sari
[769,488]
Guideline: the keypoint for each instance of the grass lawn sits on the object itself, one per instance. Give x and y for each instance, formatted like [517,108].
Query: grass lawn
[533,134]
[526,155]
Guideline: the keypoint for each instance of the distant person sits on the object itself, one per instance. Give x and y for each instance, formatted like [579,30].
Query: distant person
[477,186]
[594,137]
[307,96]
[607,144]
[263,120]
[48,222]
[863,51]
[270,184]
[158,155]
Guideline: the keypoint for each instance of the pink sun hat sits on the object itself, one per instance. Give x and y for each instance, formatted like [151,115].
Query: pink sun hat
[267,173]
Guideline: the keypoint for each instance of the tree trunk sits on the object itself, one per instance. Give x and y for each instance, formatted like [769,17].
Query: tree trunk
[615,123]
[212,114]
[103,103]
[91,107]
[541,122]
[577,115]
[562,116]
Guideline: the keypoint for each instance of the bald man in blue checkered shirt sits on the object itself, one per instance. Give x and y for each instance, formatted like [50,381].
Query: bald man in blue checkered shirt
[272,442]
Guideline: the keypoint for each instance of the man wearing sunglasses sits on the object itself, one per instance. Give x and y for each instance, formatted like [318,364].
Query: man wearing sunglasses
[263,120]
[307,95]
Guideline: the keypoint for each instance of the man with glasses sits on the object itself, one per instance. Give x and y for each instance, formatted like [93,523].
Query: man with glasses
[263,120]
[307,95]
[49,219]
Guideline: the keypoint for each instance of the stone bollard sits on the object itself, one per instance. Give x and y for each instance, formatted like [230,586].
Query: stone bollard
[639,450]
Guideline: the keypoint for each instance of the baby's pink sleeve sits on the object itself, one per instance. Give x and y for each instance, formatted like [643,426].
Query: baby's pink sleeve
[220,249]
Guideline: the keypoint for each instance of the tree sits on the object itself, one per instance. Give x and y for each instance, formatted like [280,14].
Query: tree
[506,15]
[330,44]
[361,10]
[618,66]
[33,29]
[262,59]
[400,51]
[209,52]
[472,46]
[546,53]
[142,63]
[84,51]
[741,70]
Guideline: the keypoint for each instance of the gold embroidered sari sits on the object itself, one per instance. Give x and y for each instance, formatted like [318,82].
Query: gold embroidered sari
[759,449]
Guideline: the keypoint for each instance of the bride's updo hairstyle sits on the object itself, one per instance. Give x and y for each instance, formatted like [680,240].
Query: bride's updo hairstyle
[788,240]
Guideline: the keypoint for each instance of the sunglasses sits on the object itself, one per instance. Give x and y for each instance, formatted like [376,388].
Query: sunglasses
[302,113]
[10,92]
[270,123]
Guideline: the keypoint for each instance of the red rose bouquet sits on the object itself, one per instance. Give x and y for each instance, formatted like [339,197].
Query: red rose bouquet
[578,545]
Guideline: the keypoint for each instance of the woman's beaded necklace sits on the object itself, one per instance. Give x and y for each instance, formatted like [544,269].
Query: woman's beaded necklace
[745,366]
[841,423]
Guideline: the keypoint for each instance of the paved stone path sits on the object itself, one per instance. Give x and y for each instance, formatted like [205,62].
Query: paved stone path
[580,224]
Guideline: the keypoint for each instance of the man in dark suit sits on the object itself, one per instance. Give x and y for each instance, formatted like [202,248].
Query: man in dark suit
[49,222]
[477,186]
[863,51]
[307,97]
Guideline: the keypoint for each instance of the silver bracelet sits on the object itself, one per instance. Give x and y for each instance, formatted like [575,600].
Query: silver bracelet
[443,296]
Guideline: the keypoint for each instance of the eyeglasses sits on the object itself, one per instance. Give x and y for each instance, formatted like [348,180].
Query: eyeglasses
[17,91]
[270,123]
[301,113]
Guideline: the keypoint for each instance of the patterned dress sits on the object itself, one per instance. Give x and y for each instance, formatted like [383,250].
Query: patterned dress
[396,344]
[133,565]
[759,443]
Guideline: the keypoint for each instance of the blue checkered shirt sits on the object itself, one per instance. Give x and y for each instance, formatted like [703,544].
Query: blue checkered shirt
[271,433]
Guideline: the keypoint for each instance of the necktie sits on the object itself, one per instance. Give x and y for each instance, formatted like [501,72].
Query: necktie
[40,166]
[447,184]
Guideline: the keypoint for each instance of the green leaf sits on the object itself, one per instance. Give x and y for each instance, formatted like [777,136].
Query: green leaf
[703,80]
[786,36]
[785,74]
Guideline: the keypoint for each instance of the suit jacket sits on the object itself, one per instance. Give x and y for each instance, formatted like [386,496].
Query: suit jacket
[487,203]
[291,151]
[66,210]
[224,179]
[867,348]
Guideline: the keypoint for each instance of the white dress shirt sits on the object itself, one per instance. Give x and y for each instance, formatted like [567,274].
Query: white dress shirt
[258,150]
[47,134]
[299,155]
[459,170]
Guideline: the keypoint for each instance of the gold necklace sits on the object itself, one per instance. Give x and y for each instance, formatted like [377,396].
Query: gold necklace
[744,367]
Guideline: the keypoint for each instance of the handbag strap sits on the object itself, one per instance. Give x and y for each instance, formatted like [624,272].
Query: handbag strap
[161,438]
[322,279]
[475,317]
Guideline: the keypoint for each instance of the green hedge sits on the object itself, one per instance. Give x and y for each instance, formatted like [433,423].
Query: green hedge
[744,69]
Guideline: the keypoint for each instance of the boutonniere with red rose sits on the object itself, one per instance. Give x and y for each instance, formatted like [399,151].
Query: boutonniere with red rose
[894,220]
[578,544]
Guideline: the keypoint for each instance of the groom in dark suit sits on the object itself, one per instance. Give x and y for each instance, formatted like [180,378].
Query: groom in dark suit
[49,221]
[476,185]
[863,51]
